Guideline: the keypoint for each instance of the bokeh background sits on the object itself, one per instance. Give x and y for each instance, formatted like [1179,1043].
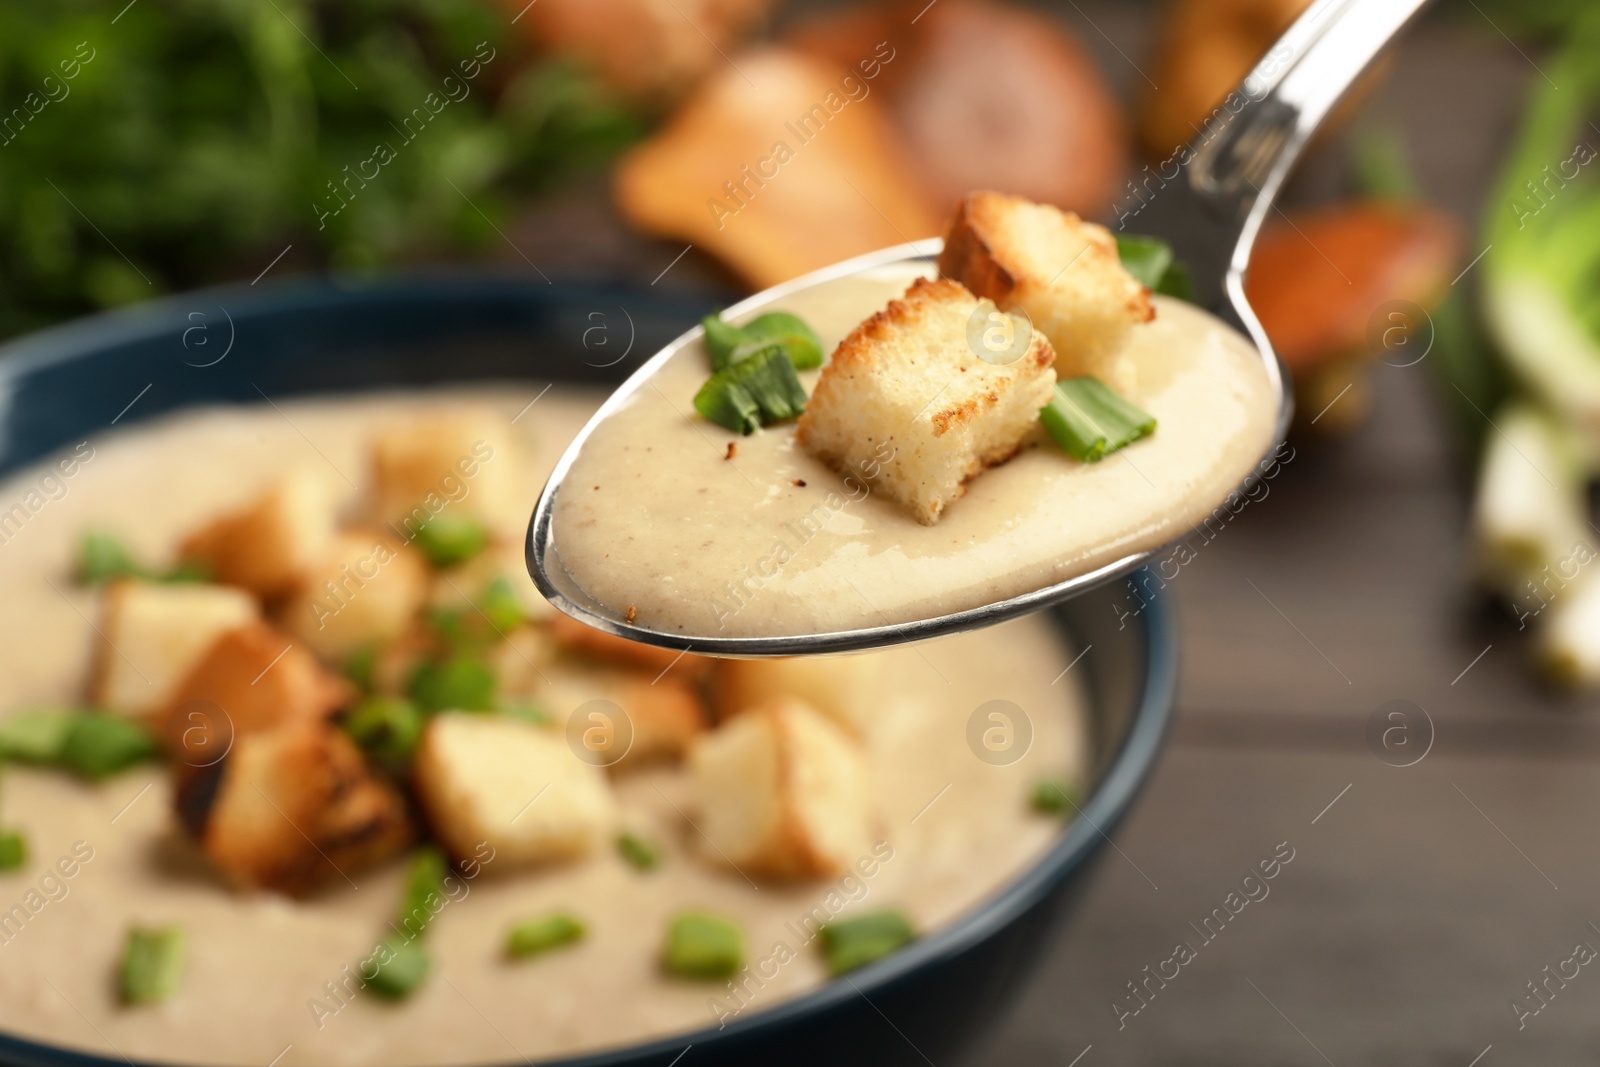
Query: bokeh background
[1387,657]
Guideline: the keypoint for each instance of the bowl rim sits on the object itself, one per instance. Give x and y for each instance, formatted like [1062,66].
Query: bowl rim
[1126,772]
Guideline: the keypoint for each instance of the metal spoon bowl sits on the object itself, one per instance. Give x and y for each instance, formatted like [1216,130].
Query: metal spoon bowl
[1209,200]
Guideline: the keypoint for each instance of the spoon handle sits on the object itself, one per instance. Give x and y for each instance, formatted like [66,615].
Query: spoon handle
[1210,197]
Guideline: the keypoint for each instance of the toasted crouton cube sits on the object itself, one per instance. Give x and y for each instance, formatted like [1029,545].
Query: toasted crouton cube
[365,592]
[667,716]
[153,634]
[1063,273]
[512,784]
[259,679]
[838,686]
[782,790]
[911,404]
[464,461]
[267,545]
[585,640]
[295,807]
[522,661]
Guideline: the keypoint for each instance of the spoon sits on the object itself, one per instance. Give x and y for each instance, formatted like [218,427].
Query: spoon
[1208,200]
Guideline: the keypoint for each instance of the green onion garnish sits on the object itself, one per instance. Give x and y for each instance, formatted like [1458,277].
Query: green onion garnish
[98,745]
[361,667]
[640,853]
[13,850]
[103,556]
[1055,796]
[1090,422]
[387,729]
[758,390]
[401,967]
[701,945]
[461,683]
[501,607]
[424,891]
[448,539]
[36,736]
[535,936]
[527,711]
[856,942]
[731,344]
[1149,260]
[152,964]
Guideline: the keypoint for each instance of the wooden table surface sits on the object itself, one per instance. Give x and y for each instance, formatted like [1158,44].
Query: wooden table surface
[1421,899]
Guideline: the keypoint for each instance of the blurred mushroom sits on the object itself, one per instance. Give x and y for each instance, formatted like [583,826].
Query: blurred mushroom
[987,95]
[1203,51]
[1337,287]
[778,164]
[651,50]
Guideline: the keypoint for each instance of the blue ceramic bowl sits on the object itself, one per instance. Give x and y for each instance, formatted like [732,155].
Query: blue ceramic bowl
[929,1003]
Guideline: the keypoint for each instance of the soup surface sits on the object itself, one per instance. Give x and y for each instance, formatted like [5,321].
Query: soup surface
[657,514]
[267,978]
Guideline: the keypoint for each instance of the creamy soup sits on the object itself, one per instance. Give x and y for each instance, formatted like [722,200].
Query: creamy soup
[657,515]
[264,973]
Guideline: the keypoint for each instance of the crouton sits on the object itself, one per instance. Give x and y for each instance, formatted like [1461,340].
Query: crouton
[513,785]
[364,592]
[838,686]
[462,461]
[153,634]
[782,791]
[667,716]
[259,679]
[295,807]
[521,662]
[267,545]
[584,640]
[1063,273]
[910,403]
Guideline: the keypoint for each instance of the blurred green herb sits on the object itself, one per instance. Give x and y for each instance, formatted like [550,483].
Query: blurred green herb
[194,140]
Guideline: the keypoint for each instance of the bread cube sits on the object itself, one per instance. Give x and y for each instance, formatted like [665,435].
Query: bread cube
[841,687]
[1063,273]
[259,679]
[293,808]
[152,635]
[910,403]
[523,662]
[513,785]
[267,545]
[781,790]
[584,640]
[463,460]
[667,717]
[366,591]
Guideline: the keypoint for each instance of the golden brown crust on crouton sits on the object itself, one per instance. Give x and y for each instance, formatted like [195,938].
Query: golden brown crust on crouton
[910,383]
[259,679]
[667,716]
[1063,272]
[151,635]
[296,807]
[364,592]
[584,640]
[841,687]
[267,545]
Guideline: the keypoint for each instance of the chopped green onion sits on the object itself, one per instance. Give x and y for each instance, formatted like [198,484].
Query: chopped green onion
[460,683]
[13,850]
[758,390]
[361,667]
[403,970]
[152,964]
[856,942]
[638,851]
[103,557]
[1090,422]
[701,945]
[99,745]
[387,729]
[731,344]
[501,607]
[424,891]
[448,539]
[1149,260]
[1055,796]
[188,572]
[535,936]
[36,736]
